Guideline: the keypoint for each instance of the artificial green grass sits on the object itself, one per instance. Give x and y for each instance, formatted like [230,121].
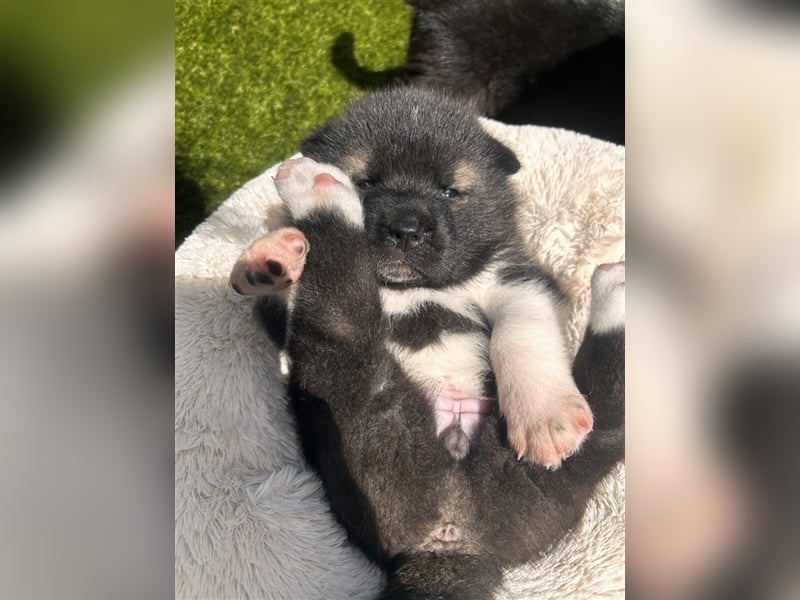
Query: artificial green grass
[253,78]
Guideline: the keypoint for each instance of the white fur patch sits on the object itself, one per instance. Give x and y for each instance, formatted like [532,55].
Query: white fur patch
[401,302]
[457,360]
[527,349]
[466,299]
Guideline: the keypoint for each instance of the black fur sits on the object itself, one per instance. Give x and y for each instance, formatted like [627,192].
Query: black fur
[487,50]
[426,324]
[364,425]
[271,312]
[599,371]
[528,272]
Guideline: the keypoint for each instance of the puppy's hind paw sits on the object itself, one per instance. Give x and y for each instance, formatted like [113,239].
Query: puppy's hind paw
[271,264]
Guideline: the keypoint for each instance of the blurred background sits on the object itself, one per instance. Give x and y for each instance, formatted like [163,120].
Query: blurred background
[90,166]
[713,281]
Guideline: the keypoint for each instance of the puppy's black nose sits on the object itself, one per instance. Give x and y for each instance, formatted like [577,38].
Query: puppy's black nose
[406,232]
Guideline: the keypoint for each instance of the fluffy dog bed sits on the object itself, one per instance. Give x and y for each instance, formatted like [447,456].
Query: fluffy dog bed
[250,518]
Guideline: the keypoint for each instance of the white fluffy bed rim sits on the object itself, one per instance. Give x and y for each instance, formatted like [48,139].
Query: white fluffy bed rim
[251,520]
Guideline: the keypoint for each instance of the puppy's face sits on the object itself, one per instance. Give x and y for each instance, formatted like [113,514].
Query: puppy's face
[434,186]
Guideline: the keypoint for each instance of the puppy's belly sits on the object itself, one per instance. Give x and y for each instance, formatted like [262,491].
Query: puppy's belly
[454,371]
[453,408]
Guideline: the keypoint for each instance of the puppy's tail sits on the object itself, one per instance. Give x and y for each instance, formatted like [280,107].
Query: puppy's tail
[429,575]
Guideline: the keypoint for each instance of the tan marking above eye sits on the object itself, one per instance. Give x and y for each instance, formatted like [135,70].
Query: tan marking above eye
[465,177]
[354,165]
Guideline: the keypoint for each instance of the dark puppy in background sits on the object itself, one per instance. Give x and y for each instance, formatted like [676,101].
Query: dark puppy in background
[487,51]
[412,309]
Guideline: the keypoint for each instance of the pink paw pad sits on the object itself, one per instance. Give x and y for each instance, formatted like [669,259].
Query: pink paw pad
[271,264]
[325,180]
[285,168]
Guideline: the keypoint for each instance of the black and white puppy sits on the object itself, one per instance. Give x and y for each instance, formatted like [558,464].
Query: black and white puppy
[414,297]
[472,320]
[486,51]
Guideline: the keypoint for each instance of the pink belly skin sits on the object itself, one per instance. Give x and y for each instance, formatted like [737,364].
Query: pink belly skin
[452,408]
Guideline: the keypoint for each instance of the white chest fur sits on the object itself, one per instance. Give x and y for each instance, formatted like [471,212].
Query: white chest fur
[458,361]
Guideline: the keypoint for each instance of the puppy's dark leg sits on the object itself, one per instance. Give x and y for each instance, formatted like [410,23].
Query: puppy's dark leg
[599,367]
[363,425]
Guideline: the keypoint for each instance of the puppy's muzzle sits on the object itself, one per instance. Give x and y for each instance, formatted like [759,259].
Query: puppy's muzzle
[405,232]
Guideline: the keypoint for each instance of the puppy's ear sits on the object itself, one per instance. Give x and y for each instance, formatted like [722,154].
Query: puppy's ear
[504,158]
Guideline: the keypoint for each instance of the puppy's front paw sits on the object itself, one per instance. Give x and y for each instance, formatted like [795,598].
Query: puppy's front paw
[548,431]
[306,186]
[271,263]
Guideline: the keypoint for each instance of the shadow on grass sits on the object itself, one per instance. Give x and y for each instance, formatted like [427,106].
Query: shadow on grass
[28,115]
[343,57]
[190,201]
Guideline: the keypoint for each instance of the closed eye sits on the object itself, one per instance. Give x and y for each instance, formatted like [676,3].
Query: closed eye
[365,184]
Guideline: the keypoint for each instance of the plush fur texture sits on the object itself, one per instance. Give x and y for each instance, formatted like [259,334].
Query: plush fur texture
[232,427]
[487,50]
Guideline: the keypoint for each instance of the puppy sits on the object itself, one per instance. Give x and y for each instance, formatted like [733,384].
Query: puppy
[439,217]
[416,323]
[485,51]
